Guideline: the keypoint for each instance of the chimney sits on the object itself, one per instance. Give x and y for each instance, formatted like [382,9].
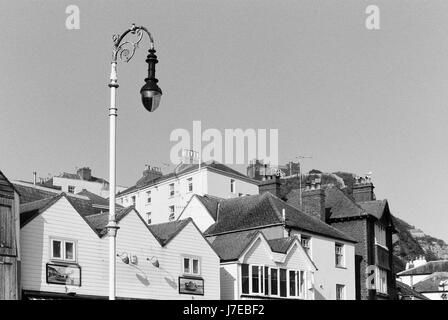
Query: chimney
[363,189]
[84,173]
[313,200]
[149,174]
[34,177]
[270,184]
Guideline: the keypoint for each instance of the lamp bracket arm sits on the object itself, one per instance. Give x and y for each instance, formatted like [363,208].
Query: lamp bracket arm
[125,49]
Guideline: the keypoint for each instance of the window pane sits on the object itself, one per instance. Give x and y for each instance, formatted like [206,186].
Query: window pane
[245,277]
[195,266]
[255,279]
[283,283]
[301,283]
[57,249]
[274,279]
[69,251]
[292,283]
[186,265]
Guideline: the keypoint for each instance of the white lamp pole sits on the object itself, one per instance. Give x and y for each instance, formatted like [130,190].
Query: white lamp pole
[151,95]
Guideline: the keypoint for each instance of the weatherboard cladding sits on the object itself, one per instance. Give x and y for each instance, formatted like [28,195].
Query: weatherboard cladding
[257,211]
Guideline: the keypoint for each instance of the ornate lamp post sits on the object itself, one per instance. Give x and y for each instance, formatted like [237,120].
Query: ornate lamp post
[150,94]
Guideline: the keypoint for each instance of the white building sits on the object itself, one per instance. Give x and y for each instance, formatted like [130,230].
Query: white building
[65,254]
[161,198]
[253,267]
[332,251]
[81,180]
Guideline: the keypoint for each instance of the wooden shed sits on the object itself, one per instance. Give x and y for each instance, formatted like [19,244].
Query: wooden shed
[9,241]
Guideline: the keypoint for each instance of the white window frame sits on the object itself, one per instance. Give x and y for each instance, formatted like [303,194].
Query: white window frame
[260,279]
[171,213]
[190,185]
[381,286]
[380,235]
[172,192]
[148,197]
[307,249]
[296,287]
[134,199]
[63,257]
[278,282]
[71,187]
[232,186]
[148,217]
[190,265]
[343,286]
[342,254]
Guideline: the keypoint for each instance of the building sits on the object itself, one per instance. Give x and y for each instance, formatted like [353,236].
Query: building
[405,292]
[428,278]
[364,218]
[10,259]
[259,170]
[76,182]
[161,198]
[332,251]
[65,253]
[253,267]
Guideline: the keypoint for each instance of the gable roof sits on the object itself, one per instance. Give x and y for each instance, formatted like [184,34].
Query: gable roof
[341,205]
[406,291]
[96,199]
[428,268]
[433,283]
[75,176]
[375,208]
[6,187]
[30,193]
[257,211]
[165,232]
[184,169]
[30,210]
[210,203]
[230,246]
[99,221]
[281,245]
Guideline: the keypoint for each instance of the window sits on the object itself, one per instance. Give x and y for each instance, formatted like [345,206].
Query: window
[190,184]
[292,284]
[301,283]
[171,216]
[148,196]
[340,292]
[232,186]
[148,217]
[245,278]
[71,189]
[171,189]
[191,266]
[64,250]
[306,243]
[255,279]
[133,200]
[381,281]
[339,254]
[274,282]
[380,235]
[283,283]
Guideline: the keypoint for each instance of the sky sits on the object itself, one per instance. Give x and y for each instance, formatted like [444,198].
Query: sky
[354,99]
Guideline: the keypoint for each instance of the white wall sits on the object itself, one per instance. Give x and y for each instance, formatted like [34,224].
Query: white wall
[142,280]
[204,182]
[328,275]
[98,188]
[198,213]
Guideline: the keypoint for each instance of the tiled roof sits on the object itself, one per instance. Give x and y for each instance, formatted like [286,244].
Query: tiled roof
[75,176]
[30,210]
[428,268]
[374,208]
[231,245]
[96,199]
[99,221]
[431,283]
[406,291]
[341,205]
[31,193]
[281,245]
[164,232]
[257,211]
[210,203]
[183,170]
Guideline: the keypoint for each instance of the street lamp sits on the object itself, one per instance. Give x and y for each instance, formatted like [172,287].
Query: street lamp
[150,94]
